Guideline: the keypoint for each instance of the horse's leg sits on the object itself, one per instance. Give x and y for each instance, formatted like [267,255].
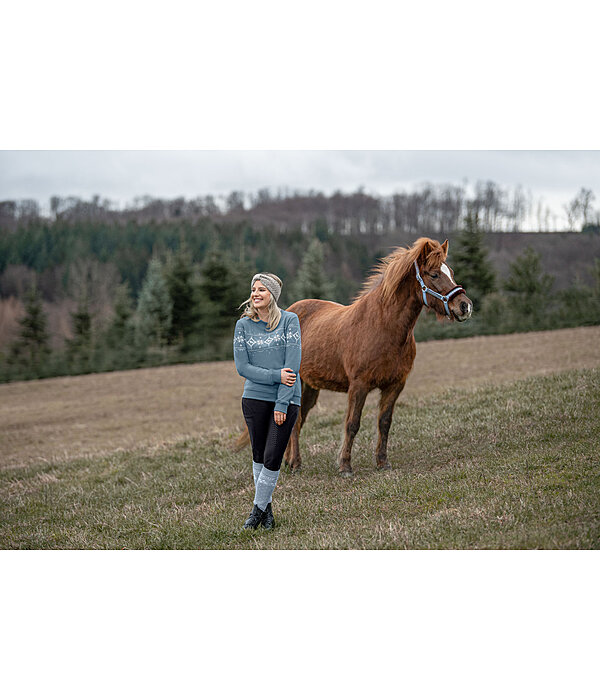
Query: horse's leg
[357,394]
[387,401]
[292,451]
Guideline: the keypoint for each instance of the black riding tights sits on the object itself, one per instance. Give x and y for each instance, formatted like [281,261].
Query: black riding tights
[268,439]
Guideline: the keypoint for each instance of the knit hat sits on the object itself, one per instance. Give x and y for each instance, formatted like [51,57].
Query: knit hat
[270,283]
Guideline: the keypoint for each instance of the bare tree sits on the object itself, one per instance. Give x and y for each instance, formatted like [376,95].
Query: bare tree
[573,212]
[586,197]
[235,203]
[518,208]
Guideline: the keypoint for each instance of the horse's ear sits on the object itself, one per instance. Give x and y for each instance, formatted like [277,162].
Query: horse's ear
[426,248]
[445,248]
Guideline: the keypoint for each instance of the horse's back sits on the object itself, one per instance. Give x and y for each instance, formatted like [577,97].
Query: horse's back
[307,309]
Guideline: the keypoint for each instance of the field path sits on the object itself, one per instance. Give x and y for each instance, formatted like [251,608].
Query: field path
[67,417]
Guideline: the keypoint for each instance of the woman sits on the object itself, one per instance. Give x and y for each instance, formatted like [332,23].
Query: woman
[267,350]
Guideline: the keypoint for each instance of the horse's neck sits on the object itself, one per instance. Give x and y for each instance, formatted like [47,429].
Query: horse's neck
[401,314]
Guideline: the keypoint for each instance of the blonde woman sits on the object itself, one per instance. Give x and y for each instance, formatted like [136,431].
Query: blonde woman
[267,352]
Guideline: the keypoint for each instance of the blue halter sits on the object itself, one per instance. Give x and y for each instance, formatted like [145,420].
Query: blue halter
[445,298]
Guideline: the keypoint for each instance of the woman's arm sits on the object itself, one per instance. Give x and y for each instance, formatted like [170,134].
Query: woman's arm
[293,355]
[244,367]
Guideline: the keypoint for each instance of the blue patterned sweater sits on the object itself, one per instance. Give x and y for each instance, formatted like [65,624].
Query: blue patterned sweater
[260,355]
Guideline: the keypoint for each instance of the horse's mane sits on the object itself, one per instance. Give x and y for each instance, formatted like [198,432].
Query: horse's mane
[391,270]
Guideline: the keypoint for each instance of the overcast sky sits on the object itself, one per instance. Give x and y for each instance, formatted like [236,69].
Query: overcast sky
[122,175]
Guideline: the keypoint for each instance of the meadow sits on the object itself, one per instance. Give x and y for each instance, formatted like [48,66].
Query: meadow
[494,445]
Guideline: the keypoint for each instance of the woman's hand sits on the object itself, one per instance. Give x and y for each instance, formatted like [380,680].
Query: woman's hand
[279,417]
[288,377]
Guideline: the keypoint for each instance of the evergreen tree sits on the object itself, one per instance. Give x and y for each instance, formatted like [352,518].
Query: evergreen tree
[243,272]
[472,270]
[529,288]
[154,309]
[31,349]
[311,281]
[119,331]
[183,291]
[218,293]
[79,347]
[580,303]
[119,337]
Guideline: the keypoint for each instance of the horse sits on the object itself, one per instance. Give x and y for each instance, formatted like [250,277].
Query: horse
[370,344]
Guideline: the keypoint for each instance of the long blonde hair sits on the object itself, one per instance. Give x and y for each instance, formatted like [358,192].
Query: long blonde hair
[274,310]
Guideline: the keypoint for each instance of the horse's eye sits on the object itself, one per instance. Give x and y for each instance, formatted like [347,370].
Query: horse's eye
[434,275]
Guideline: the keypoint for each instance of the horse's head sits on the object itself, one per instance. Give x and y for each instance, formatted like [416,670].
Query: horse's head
[435,280]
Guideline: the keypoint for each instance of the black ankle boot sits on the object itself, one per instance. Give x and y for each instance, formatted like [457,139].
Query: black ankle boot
[254,519]
[268,521]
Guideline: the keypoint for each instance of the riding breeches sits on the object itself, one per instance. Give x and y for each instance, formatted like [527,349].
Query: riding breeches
[268,439]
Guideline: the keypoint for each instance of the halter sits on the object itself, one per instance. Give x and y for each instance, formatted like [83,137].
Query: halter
[445,298]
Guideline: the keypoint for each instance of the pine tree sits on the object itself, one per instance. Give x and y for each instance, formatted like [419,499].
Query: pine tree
[529,288]
[472,270]
[183,291]
[154,309]
[243,272]
[119,337]
[311,281]
[79,347]
[31,348]
[218,293]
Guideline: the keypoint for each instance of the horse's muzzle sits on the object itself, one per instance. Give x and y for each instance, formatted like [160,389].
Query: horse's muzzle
[462,308]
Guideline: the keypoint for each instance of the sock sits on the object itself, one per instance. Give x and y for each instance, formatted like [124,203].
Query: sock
[256,468]
[265,485]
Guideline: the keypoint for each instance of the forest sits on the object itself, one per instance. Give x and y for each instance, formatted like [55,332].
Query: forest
[87,287]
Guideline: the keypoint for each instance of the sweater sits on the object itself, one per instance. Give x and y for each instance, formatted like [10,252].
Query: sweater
[260,355]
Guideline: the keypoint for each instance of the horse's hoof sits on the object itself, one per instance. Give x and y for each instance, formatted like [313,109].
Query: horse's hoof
[384,467]
[346,473]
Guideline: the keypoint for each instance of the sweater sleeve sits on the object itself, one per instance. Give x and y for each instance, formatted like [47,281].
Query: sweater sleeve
[244,367]
[293,355]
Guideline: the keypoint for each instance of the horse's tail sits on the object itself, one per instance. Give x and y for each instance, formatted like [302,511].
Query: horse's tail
[242,440]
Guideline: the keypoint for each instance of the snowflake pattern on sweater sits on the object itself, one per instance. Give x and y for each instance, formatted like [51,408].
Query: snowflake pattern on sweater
[262,342]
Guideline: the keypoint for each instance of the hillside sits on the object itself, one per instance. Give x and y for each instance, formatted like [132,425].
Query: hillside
[513,466]
[69,417]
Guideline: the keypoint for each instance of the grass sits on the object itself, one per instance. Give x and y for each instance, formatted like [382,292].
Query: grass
[68,417]
[514,466]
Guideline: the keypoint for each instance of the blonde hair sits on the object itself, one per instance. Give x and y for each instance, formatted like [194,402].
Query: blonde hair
[274,310]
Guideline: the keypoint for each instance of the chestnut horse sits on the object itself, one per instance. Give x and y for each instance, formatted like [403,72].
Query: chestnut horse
[370,343]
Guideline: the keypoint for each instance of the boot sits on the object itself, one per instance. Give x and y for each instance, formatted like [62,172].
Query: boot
[254,519]
[268,521]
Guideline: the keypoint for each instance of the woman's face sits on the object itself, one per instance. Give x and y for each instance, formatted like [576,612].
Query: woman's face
[261,296]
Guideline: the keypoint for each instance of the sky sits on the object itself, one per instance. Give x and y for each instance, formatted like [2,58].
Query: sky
[553,175]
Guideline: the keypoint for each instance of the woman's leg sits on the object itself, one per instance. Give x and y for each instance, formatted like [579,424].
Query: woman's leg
[276,442]
[256,414]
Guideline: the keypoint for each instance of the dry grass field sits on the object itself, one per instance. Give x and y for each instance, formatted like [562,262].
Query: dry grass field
[63,418]
[494,445]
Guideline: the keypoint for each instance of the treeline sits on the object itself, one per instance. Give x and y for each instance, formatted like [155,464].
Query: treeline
[60,253]
[437,209]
